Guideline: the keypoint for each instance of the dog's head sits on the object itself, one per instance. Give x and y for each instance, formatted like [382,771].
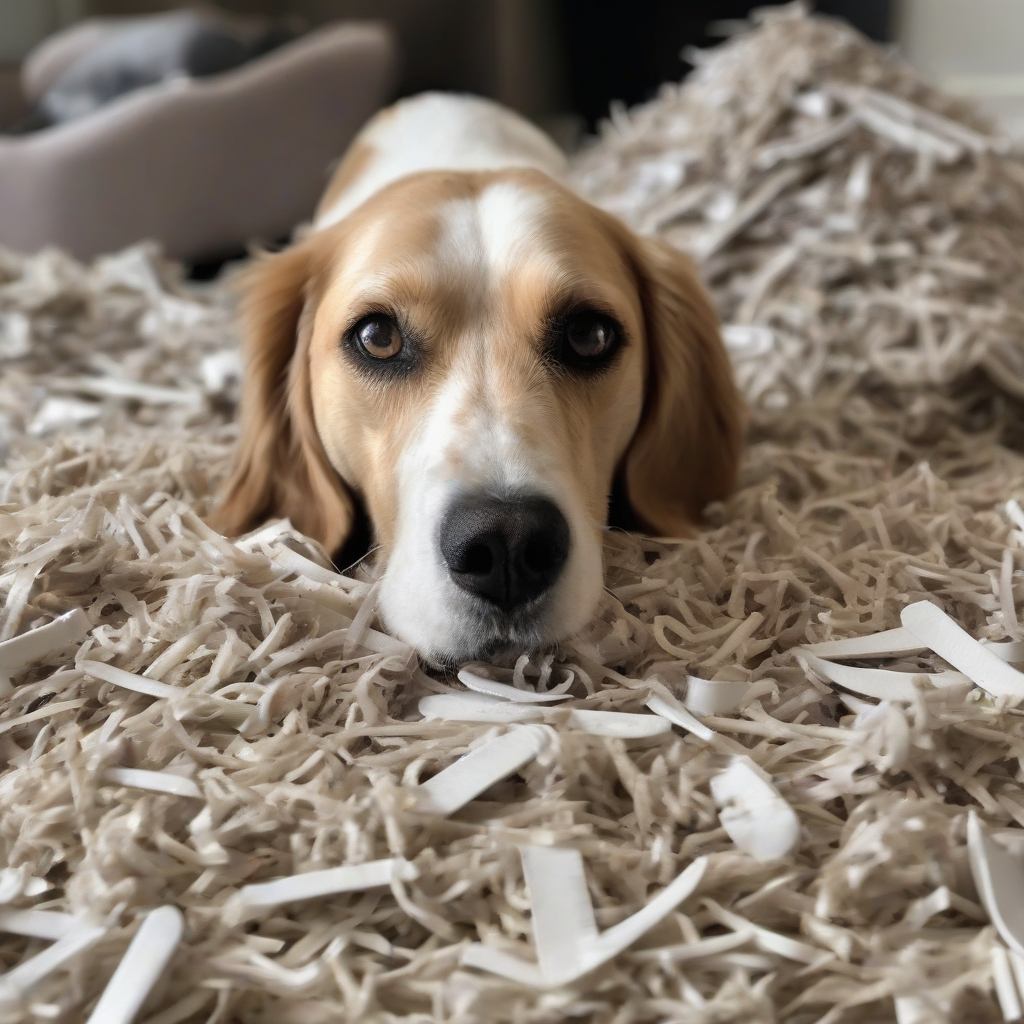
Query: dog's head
[475,359]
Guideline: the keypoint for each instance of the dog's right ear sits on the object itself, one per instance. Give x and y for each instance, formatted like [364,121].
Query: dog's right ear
[280,467]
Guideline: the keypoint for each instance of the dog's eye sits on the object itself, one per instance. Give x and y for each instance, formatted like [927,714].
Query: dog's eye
[379,336]
[590,335]
[585,339]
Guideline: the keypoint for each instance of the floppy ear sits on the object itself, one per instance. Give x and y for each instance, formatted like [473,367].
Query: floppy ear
[280,466]
[686,450]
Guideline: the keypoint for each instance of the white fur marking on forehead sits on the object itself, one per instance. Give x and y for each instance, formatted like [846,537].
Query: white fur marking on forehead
[510,218]
[494,231]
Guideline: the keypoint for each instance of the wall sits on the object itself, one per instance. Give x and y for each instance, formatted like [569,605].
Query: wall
[973,49]
[23,23]
[485,46]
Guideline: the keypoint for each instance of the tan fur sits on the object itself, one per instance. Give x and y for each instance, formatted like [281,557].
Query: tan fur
[666,415]
[280,467]
[687,450]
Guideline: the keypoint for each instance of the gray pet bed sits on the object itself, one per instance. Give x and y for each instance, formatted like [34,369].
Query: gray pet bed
[201,165]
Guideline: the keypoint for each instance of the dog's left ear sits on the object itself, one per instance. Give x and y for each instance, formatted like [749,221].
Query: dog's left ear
[686,450]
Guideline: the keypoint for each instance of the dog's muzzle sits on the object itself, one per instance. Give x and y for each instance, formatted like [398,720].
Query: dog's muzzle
[506,551]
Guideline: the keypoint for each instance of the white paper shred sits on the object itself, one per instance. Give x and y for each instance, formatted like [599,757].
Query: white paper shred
[311,884]
[489,763]
[883,684]
[481,707]
[157,782]
[140,968]
[477,707]
[564,926]
[40,924]
[888,643]
[565,932]
[757,818]
[1006,984]
[934,628]
[233,713]
[63,414]
[678,715]
[617,723]
[715,696]
[20,651]
[496,689]
[999,879]
[19,981]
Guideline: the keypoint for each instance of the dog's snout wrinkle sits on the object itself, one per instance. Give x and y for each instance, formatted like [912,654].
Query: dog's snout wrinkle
[507,551]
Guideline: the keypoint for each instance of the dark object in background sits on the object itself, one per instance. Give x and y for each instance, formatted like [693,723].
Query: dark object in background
[204,167]
[624,49]
[148,51]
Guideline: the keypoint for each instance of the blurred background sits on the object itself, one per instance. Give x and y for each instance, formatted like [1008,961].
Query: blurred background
[567,59]
[560,62]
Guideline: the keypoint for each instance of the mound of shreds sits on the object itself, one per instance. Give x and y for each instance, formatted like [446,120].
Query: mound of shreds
[851,219]
[867,233]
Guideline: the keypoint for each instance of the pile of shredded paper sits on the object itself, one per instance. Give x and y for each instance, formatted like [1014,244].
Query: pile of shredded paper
[778,778]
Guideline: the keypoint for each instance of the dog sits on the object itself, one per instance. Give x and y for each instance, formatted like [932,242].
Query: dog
[477,358]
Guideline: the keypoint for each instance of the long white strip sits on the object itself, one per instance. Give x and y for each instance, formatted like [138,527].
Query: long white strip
[562,915]
[291,560]
[157,782]
[882,683]
[251,899]
[481,707]
[129,680]
[765,938]
[266,535]
[487,958]
[1005,985]
[124,387]
[22,650]
[39,924]
[888,644]
[696,950]
[468,777]
[562,888]
[495,689]
[999,879]
[622,724]
[16,882]
[44,712]
[310,884]
[477,707]
[16,982]
[140,968]
[1017,966]
[757,819]
[678,715]
[934,628]
[234,713]
[618,938]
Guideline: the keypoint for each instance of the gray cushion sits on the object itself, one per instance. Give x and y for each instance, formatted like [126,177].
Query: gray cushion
[204,165]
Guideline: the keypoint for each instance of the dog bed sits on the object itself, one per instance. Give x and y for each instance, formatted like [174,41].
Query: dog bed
[884,448]
[206,165]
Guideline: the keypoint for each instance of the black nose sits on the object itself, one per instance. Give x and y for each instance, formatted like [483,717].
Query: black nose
[507,551]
